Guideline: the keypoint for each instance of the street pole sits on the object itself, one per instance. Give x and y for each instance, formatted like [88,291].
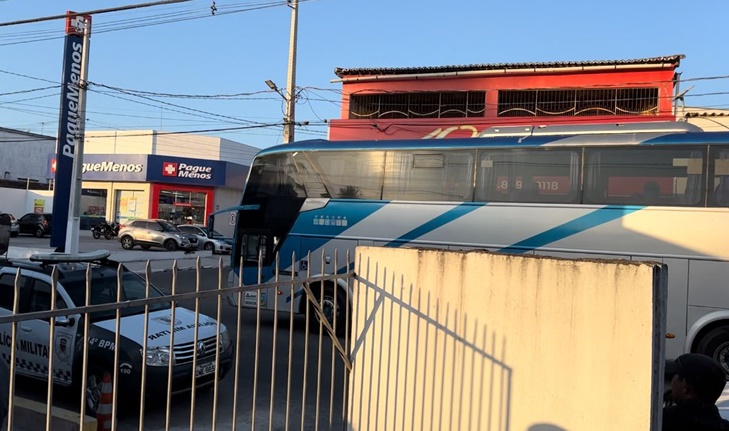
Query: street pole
[291,81]
[73,226]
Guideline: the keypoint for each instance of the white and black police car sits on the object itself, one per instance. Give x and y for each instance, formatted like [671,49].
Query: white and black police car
[32,339]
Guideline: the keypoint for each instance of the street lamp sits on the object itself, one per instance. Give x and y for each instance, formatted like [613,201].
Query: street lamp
[289,115]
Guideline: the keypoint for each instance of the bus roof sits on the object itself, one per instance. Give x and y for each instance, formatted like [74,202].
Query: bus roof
[689,138]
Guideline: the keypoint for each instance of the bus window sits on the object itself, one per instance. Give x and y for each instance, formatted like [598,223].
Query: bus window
[273,176]
[719,187]
[424,176]
[533,175]
[644,176]
[351,174]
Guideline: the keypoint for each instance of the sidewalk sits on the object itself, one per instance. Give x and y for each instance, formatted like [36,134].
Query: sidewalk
[136,260]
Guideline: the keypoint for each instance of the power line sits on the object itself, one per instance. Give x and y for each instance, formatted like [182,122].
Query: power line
[91,12]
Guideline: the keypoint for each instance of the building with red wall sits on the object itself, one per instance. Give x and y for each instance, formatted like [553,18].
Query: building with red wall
[462,101]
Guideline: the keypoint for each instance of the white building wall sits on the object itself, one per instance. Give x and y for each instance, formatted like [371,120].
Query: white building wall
[25,155]
[173,144]
[225,198]
[711,120]
[119,142]
[18,202]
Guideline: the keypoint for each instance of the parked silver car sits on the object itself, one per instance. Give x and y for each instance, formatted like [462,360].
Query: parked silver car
[155,233]
[214,244]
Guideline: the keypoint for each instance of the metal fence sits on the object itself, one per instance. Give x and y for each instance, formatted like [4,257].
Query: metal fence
[280,372]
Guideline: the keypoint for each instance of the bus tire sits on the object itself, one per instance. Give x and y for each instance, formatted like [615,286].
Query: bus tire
[715,344]
[329,307]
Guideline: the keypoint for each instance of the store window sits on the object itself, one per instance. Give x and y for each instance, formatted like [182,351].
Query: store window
[182,207]
[130,205]
[93,202]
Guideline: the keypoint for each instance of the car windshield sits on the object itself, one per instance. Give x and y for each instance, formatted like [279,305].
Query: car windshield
[169,227]
[104,291]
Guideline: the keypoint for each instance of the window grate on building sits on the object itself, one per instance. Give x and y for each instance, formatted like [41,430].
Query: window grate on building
[578,102]
[454,104]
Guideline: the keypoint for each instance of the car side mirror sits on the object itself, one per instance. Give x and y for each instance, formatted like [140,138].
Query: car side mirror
[64,321]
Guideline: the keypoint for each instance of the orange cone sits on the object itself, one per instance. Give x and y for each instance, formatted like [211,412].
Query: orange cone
[103,412]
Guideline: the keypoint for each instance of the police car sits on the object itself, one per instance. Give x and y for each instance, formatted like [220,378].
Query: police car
[32,343]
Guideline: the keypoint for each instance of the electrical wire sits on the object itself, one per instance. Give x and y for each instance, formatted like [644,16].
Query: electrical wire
[146,21]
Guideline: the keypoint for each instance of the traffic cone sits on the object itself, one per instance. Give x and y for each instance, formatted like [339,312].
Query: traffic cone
[103,412]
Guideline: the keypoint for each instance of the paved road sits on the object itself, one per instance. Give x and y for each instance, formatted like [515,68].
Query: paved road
[180,418]
[24,245]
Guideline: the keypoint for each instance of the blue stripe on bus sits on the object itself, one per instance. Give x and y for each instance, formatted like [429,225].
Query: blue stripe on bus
[580,224]
[441,220]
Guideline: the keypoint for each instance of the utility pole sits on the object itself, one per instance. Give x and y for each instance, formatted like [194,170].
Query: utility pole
[291,80]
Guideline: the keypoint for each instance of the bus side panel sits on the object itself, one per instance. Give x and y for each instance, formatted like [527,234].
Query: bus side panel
[709,283]
[678,279]
[708,294]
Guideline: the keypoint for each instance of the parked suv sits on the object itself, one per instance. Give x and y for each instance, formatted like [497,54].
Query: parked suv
[33,344]
[35,224]
[155,233]
[215,244]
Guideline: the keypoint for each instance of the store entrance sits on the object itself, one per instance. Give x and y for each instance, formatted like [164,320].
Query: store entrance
[183,206]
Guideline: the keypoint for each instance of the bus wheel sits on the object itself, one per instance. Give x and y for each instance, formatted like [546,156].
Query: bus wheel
[332,304]
[715,344]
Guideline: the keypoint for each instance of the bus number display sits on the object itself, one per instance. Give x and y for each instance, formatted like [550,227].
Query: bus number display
[547,185]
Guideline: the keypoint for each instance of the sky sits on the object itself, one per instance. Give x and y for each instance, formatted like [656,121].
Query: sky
[144,64]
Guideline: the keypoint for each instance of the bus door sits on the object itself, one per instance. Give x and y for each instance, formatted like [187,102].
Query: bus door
[256,248]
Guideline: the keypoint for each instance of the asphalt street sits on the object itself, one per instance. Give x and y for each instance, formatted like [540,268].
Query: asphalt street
[270,399]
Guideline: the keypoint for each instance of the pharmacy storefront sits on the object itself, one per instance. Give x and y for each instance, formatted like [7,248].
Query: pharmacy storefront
[183,190]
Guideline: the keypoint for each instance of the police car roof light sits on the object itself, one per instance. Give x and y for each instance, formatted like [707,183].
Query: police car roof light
[91,256]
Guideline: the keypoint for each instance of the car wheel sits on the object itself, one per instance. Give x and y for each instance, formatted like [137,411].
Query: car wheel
[39,233]
[209,246]
[127,243]
[146,247]
[715,344]
[170,245]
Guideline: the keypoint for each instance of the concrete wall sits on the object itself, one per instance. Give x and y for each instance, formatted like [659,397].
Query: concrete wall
[25,155]
[472,340]
[18,202]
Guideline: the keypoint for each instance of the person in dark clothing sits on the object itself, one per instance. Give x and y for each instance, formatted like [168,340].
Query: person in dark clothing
[697,382]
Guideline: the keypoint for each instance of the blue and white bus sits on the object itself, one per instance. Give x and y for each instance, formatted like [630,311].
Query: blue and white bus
[651,192]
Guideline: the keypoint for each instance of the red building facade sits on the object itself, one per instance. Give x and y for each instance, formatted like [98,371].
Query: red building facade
[462,101]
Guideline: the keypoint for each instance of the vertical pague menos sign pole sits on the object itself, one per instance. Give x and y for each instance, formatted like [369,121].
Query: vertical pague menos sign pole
[70,134]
